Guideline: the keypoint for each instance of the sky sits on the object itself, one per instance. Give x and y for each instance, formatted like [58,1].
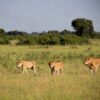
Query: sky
[45,15]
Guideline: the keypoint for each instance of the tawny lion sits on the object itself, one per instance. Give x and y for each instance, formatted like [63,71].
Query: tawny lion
[92,63]
[27,65]
[56,67]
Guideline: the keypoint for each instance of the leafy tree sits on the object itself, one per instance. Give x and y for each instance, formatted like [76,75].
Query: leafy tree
[83,26]
[2,31]
[4,39]
[65,32]
[53,32]
[54,39]
[15,33]
[43,39]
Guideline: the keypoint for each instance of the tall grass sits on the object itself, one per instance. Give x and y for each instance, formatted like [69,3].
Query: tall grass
[76,83]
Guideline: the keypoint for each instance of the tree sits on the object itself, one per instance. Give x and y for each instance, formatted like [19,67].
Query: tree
[83,26]
[16,32]
[66,32]
[53,32]
[2,31]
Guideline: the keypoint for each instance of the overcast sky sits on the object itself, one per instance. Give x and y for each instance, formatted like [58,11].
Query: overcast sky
[44,15]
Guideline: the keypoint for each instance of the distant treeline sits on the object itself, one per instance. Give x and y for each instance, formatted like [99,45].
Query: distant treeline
[84,30]
[44,38]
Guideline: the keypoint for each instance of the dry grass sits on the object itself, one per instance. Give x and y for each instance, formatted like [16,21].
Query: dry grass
[76,83]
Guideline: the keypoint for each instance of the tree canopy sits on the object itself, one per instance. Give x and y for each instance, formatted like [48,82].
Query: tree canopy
[83,26]
[2,31]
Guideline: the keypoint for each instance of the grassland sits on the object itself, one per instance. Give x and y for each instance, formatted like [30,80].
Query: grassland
[76,83]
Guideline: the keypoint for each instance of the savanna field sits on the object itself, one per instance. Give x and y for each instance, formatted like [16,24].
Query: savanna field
[76,82]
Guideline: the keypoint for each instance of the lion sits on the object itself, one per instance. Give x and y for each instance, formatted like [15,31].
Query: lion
[56,67]
[92,63]
[27,65]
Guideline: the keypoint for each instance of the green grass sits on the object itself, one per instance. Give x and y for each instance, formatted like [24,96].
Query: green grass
[76,83]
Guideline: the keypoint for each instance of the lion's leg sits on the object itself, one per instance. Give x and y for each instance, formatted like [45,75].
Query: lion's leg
[53,72]
[91,71]
[34,70]
[61,70]
[24,70]
[95,69]
[57,72]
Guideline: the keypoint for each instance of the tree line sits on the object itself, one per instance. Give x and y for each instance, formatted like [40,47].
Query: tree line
[83,30]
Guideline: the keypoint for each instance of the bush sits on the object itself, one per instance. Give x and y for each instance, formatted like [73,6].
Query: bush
[44,39]
[73,40]
[4,40]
